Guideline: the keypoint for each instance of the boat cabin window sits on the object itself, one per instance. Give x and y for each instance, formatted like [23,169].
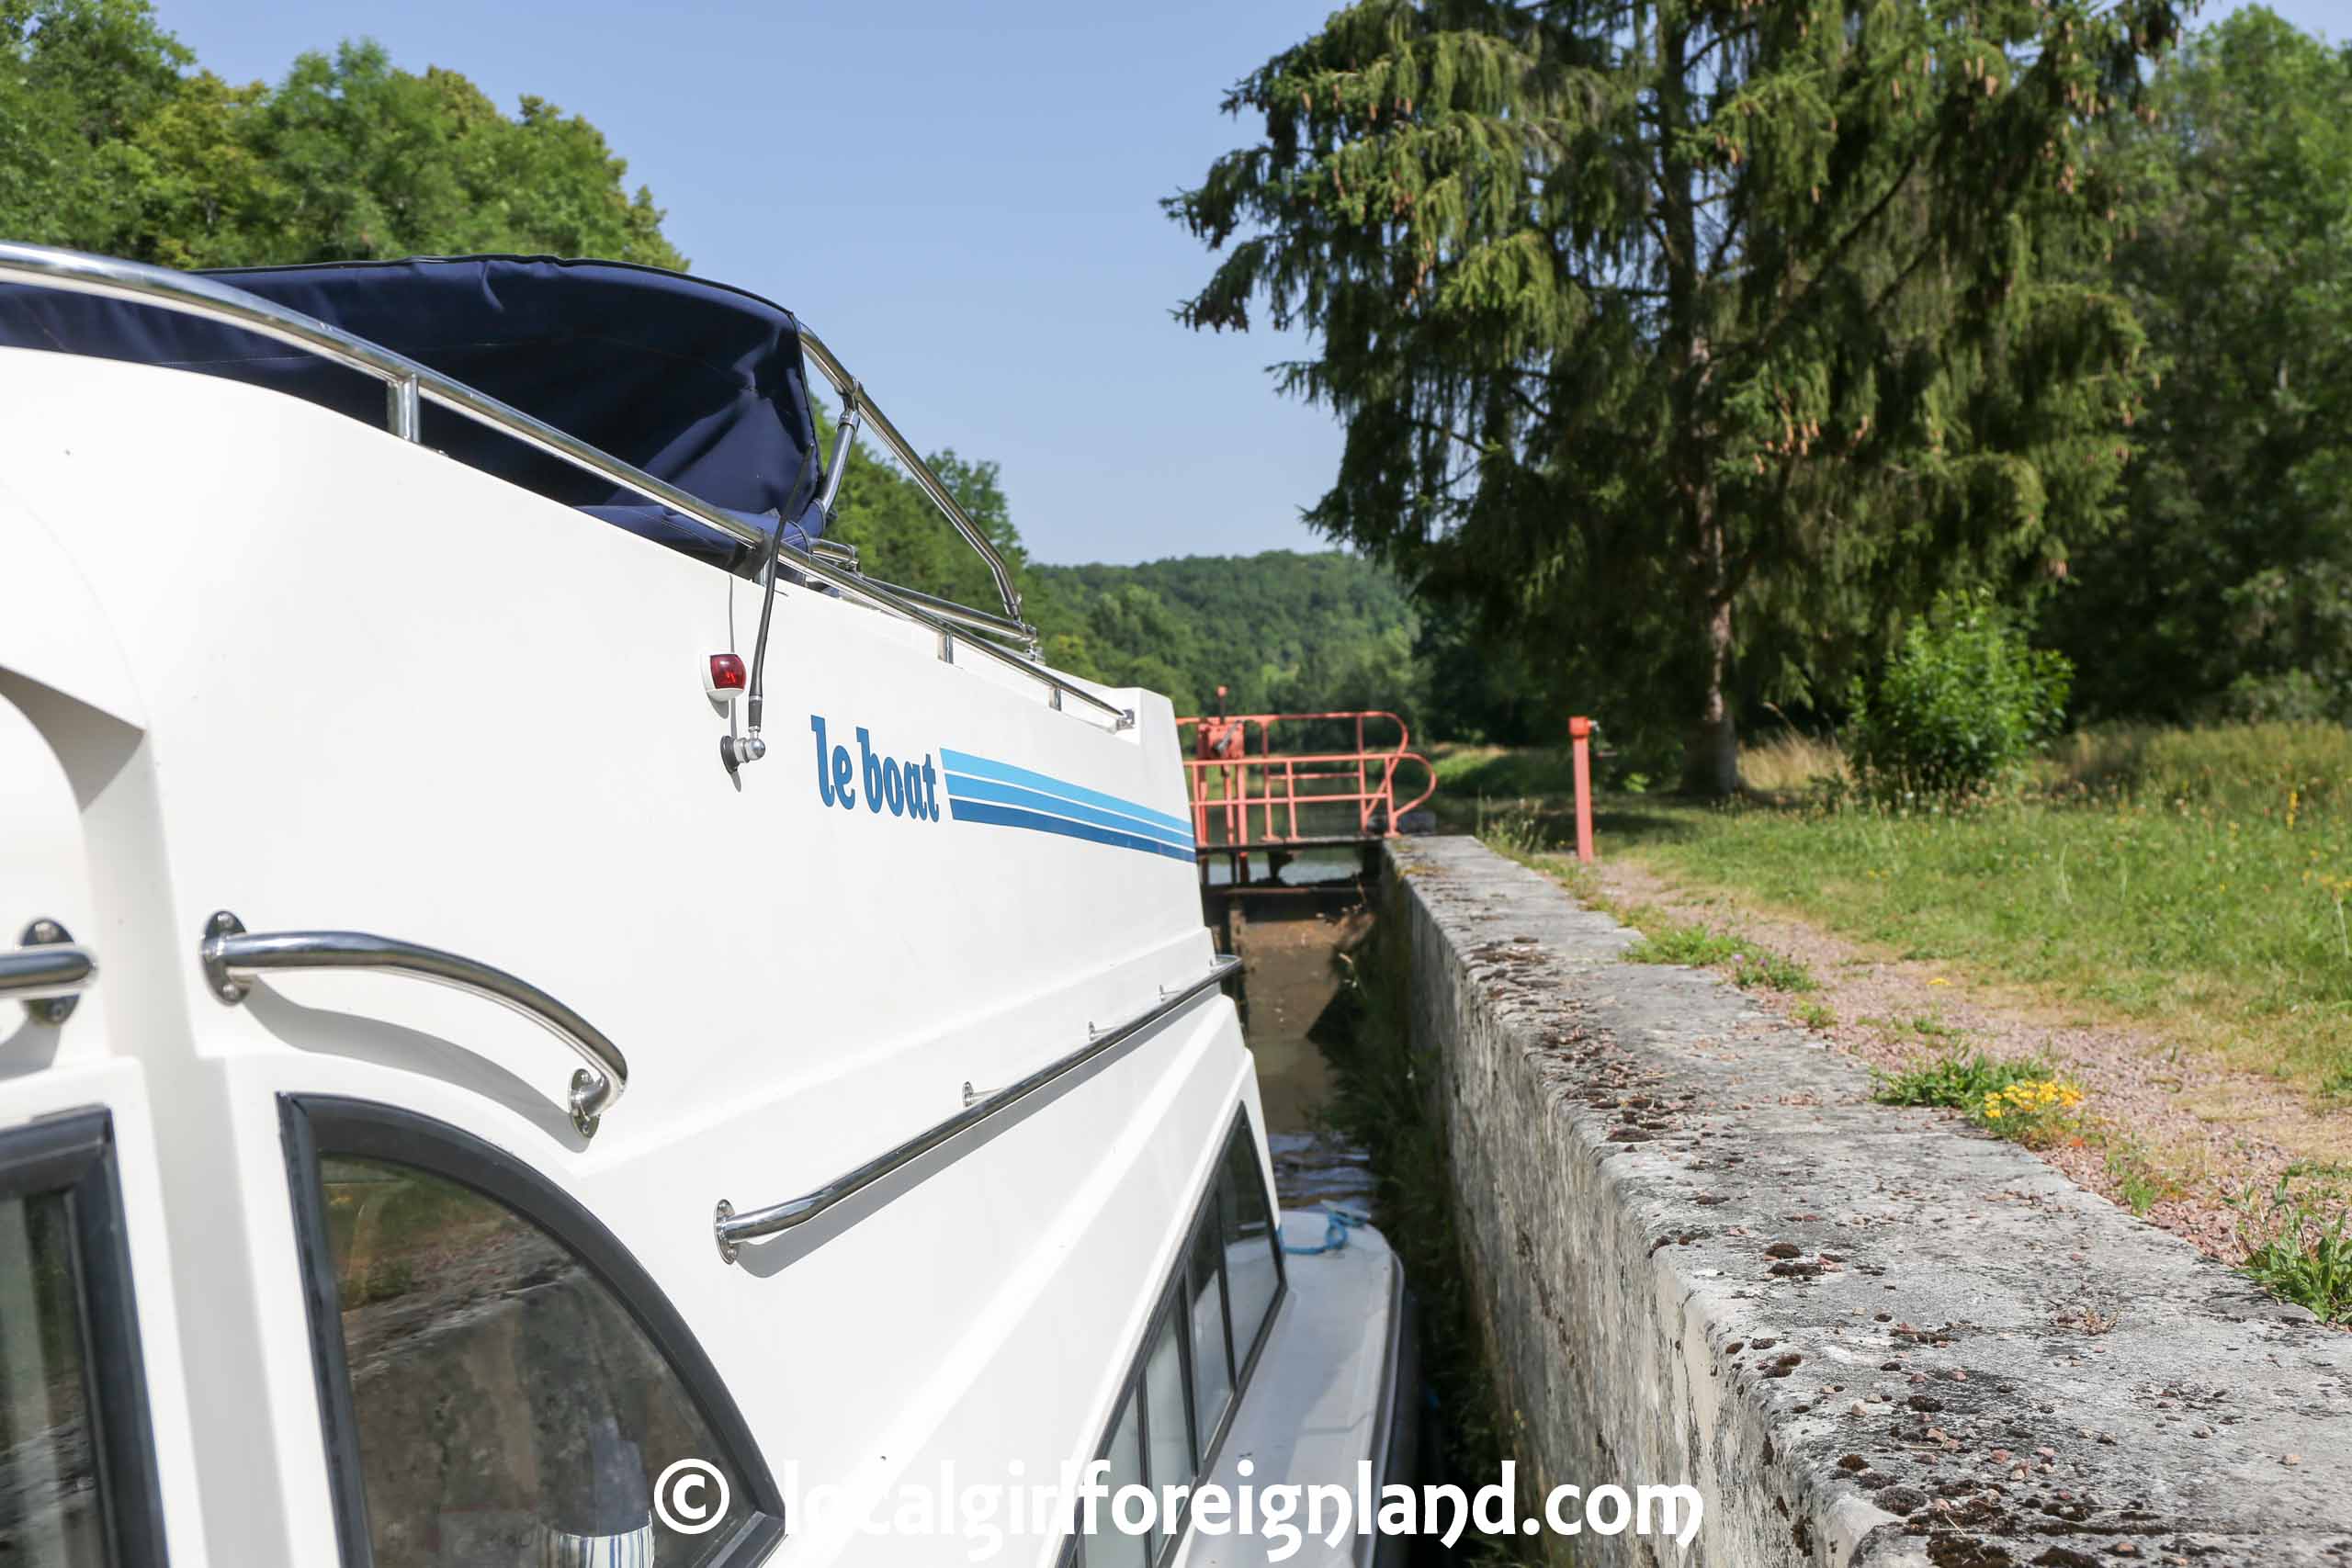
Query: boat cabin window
[1215,1313]
[1252,1264]
[1174,1450]
[1212,1352]
[501,1393]
[77,1477]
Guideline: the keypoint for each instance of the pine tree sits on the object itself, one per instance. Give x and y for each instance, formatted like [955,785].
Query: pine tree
[1695,340]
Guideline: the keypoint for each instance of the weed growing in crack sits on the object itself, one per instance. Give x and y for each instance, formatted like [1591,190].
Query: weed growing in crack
[2294,1248]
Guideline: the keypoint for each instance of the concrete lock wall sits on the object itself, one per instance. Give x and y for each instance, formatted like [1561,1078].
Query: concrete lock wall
[1867,1335]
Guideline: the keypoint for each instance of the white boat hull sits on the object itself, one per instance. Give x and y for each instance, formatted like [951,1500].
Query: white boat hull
[270,661]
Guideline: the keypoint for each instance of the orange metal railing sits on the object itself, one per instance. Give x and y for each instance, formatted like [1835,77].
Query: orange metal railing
[1248,795]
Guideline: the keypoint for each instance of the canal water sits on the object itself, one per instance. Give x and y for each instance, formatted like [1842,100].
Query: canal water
[1289,931]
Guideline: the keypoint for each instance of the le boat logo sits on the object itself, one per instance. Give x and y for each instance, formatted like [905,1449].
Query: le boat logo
[987,792]
[905,788]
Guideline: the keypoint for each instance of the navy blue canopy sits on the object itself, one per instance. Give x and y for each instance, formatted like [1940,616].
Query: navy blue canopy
[694,382]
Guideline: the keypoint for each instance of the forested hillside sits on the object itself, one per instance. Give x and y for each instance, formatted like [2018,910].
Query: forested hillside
[1282,631]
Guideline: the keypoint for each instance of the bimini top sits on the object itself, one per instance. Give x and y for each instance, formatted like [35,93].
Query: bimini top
[696,383]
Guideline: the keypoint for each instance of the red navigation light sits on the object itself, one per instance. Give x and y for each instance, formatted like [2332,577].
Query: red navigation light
[725,674]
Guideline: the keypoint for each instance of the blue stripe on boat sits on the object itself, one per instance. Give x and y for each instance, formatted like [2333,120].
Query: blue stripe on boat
[1012,817]
[962,786]
[1045,783]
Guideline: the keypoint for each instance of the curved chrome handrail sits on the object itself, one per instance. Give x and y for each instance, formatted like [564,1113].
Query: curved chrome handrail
[734,1229]
[406,381]
[233,955]
[49,972]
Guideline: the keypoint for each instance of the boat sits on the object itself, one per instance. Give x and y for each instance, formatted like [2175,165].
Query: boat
[554,1019]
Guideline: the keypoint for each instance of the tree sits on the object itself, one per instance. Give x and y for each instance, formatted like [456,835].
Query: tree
[1696,340]
[76,78]
[2229,581]
[901,537]
[1280,630]
[110,143]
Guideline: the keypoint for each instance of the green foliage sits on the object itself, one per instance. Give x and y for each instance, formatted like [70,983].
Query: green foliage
[2228,586]
[110,143]
[2138,1181]
[901,537]
[1753,966]
[1956,1081]
[1477,772]
[1959,708]
[2295,1248]
[1668,943]
[1513,827]
[1689,351]
[1282,631]
[1675,942]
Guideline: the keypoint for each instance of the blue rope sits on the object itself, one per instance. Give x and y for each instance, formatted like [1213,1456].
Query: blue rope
[1338,1222]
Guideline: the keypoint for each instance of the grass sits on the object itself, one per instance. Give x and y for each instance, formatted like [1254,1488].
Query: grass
[2199,882]
[1668,941]
[2139,1180]
[2298,1237]
[1789,763]
[1694,945]
[1515,827]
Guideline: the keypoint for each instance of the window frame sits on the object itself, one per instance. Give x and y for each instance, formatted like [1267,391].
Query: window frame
[338,1126]
[73,1154]
[1176,1293]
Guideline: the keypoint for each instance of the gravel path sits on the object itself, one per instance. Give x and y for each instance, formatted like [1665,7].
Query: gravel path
[2212,1130]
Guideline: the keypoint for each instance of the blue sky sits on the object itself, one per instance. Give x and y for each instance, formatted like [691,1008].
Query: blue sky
[963,199]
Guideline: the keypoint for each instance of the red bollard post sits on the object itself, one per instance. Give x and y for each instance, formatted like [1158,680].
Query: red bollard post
[1580,737]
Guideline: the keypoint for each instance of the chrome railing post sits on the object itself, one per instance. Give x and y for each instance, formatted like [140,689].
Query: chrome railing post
[845,442]
[47,973]
[403,410]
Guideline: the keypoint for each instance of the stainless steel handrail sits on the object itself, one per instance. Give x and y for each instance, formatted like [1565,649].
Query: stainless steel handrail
[855,396]
[232,956]
[961,614]
[49,972]
[734,1229]
[406,381]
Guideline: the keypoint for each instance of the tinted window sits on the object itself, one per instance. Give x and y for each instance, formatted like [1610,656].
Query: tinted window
[1251,1271]
[1212,1369]
[49,1510]
[1171,1455]
[77,1470]
[1110,1544]
[508,1410]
